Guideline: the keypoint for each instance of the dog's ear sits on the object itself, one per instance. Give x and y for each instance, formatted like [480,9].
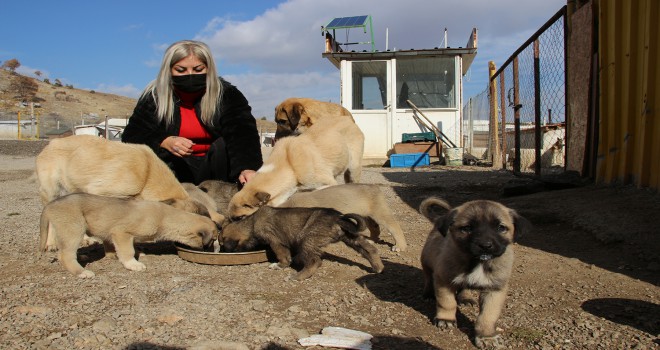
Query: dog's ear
[295,114]
[444,223]
[521,225]
[262,197]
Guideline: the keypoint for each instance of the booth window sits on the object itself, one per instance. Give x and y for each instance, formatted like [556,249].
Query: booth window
[369,85]
[426,82]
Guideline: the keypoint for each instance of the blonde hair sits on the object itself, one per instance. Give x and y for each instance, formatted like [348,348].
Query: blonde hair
[161,88]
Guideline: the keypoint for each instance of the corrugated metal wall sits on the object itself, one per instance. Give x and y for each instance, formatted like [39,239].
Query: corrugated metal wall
[629,129]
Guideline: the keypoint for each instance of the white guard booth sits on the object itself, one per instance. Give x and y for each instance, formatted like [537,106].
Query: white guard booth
[375,86]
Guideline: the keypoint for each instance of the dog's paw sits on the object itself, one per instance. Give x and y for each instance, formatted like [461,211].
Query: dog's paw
[494,342]
[134,265]
[275,266]
[444,324]
[86,274]
[50,248]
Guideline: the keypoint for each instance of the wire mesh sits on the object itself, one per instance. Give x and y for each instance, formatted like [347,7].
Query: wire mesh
[542,59]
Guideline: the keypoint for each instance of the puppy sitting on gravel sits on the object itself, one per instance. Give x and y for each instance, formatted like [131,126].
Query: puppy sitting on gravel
[363,199]
[302,232]
[119,221]
[470,248]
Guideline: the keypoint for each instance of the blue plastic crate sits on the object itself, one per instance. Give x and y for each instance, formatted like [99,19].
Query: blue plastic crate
[409,160]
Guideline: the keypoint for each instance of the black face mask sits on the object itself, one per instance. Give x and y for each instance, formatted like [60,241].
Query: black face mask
[190,82]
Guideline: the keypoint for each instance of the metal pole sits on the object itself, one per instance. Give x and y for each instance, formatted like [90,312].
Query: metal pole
[503,108]
[537,109]
[516,117]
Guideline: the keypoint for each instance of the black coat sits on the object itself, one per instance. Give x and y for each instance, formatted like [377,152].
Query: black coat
[233,121]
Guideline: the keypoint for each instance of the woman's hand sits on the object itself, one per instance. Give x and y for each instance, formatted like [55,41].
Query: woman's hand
[178,146]
[246,175]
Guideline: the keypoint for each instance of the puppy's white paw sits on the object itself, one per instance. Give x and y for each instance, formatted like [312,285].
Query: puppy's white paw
[51,248]
[494,342]
[274,266]
[444,324]
[134,265]
[86,274]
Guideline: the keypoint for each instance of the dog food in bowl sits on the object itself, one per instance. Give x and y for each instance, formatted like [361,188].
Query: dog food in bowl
[220,258]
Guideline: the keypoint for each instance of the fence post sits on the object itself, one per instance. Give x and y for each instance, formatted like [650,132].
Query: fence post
[495,145]
[516,117]
[537,109]
[503,108]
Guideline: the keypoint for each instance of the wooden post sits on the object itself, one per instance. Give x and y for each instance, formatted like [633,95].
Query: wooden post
[505,147]
[495,145]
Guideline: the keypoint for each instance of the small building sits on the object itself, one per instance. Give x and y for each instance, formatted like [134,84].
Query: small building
[376,85]
[111,128]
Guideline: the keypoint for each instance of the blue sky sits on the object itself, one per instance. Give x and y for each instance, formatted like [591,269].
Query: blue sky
[270,49]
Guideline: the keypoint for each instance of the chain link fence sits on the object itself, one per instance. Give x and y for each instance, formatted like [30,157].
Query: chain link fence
[530,133]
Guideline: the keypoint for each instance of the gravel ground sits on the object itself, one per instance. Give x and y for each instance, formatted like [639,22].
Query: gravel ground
[586,277]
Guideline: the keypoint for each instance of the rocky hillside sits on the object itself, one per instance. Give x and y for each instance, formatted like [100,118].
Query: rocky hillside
[62,107]
[60,103]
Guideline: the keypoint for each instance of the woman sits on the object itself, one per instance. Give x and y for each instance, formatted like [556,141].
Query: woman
[196,122]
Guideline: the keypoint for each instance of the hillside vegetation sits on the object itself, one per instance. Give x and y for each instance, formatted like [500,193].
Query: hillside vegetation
[62,107]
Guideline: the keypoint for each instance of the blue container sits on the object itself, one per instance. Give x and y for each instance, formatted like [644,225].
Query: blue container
[418,137]
[406,160]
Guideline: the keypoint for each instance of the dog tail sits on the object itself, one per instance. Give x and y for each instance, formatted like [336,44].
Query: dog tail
[352,224]
[430,207]
[43,230]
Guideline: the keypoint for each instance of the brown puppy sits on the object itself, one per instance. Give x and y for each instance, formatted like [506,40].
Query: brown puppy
[220,191]
[362,199]
[313,160]
[94,165]
[295,115]
[470,248]
[302,232]
[118,221]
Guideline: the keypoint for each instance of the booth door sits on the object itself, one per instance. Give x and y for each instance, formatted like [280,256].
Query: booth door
[367,88]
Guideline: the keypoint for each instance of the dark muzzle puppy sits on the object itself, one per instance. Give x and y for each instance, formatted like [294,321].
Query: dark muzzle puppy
[301,231]
[470,248]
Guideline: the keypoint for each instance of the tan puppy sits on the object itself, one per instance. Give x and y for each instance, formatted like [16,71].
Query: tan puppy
[118,221]
[203,198]
[295,115]
[313,160]
[299,234]
[362,199]
[470,248]
[91,164]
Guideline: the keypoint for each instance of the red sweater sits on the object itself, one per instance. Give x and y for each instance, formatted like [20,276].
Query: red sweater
[191,127]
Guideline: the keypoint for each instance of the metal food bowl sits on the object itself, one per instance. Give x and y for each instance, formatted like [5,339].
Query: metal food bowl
[213,258]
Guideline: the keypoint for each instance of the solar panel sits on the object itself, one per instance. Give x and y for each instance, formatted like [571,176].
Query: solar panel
[347,22]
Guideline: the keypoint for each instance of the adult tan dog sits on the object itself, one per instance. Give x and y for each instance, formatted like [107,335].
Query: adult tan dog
[119,221]
[313,159]
[366,200]
[470,248]
[296,114]
[299,234]
[91,164]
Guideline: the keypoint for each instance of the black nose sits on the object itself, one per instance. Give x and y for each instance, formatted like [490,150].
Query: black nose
[486,245]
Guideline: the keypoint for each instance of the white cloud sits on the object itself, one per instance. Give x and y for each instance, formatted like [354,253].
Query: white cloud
[282,47]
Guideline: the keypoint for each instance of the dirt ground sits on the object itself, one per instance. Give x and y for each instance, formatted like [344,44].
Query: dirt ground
[586,277]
